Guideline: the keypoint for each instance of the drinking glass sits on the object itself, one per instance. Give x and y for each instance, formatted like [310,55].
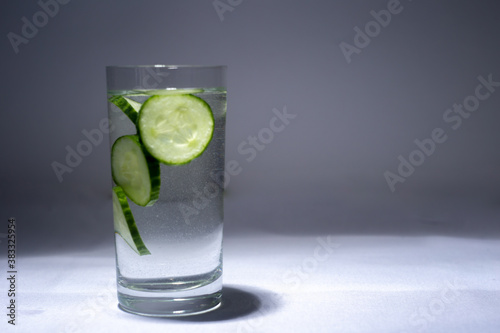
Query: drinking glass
[167,134]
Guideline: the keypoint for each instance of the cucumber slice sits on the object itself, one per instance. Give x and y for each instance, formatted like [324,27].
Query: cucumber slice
[135,171]
[177,128]
[129,107]
[125,224]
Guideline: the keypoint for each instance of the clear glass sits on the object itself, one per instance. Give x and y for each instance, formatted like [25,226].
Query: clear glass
[183,229]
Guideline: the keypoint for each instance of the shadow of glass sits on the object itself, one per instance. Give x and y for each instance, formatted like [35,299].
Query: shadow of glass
[237,302]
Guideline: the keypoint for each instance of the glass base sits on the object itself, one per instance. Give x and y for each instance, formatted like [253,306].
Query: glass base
[172,303]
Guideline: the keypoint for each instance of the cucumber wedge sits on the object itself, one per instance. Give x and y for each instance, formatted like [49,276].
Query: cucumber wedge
[129,107]
[124,222]
[135,171]
[175,129]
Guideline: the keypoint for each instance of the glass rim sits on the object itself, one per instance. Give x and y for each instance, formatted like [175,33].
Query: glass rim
[167,66]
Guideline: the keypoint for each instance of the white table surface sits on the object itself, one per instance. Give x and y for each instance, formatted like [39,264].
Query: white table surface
[279,283]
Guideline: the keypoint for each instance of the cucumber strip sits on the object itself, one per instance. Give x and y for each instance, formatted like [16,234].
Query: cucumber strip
[175,129]
[125,224]
[135,171]
[129,107]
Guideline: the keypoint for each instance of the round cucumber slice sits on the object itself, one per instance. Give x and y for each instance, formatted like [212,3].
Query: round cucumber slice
[129,107]
[135,171]
[175,129]
[125,224]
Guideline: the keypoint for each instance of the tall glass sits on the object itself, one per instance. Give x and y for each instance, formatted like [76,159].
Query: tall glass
[167,133]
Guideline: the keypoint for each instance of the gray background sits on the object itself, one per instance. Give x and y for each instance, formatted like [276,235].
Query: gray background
[324,173]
